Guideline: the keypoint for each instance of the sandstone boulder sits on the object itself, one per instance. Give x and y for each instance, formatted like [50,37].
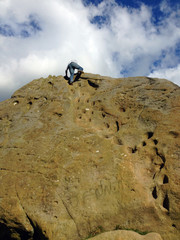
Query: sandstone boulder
[100,154]
[126,235]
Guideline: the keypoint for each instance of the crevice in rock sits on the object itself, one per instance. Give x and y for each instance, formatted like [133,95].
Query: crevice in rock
[70,216]
[134,149]
[117,125]
[160,155]
[166,202]
[144,143]
[154,193]
[92,84]
[161,166]
[38,232]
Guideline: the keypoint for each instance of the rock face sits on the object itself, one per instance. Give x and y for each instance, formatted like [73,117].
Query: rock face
[126,235]
[98,157]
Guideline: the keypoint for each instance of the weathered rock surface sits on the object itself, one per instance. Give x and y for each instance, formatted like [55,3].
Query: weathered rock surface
[126,235]
[100,155]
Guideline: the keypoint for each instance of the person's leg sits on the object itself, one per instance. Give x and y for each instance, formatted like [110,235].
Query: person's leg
[76,66]
[80,69]
[71,70]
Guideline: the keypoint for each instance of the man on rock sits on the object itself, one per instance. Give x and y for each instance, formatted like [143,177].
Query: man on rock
[71,67]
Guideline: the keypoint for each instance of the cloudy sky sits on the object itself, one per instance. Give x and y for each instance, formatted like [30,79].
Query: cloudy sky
[117,38]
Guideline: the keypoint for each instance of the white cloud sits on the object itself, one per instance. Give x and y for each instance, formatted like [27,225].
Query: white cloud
[168,73]
[49,34]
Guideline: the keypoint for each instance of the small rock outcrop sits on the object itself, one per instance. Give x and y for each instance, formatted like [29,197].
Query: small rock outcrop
[99,159]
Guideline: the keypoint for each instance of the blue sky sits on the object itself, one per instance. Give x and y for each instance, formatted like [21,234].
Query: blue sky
[119,38]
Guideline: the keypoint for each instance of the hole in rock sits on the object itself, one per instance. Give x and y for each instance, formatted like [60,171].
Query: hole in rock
[117,125]
[150,134]
[107,136]
[166,202]
[173,225]
[122,109]
[134,149]
[144,143]
[92,84]
[154,193]
[103,115]
[50,83]
[92,112]
[58,114]
[90,120]
[155,141]
[107,125]
[30,103]
[166,179]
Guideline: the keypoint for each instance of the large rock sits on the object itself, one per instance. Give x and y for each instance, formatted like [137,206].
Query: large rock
[126,235]
[100,154]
